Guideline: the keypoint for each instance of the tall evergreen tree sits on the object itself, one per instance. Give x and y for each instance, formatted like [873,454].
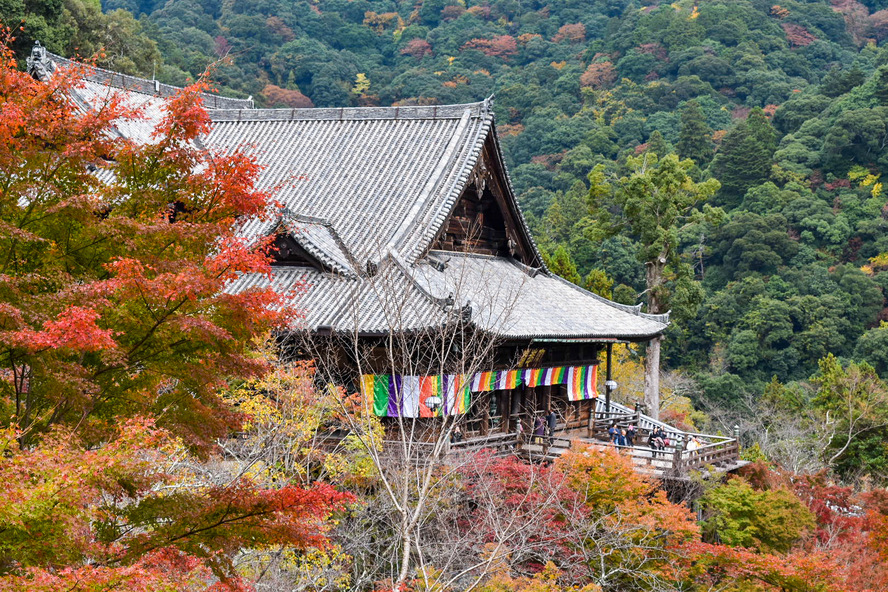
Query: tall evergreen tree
[654,202]
[562,264]
[881,87]
[658,144]
[695,136]
[744,159]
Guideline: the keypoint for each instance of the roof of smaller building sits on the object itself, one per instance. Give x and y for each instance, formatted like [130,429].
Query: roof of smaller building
[520,302]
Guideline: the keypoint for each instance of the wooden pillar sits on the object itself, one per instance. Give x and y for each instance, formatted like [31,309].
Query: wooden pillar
[485,413]
[526,410]
[505,408]
[607,390]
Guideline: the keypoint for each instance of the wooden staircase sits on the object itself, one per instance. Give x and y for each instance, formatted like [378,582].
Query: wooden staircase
[718,454]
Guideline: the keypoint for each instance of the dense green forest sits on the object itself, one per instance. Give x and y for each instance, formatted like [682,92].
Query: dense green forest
[720,159]
[785,105]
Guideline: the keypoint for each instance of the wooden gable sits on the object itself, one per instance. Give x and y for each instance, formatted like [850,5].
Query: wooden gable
[286,252]
[485,219]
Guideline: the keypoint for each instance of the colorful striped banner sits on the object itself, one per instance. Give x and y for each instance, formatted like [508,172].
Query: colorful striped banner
[484,381]
[430,386]
[375,389]
[532,376]
[393,395]
[553,376]
[581,383]
[507,380]
[457,394]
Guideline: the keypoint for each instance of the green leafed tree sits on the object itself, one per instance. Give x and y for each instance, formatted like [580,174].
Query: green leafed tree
[561,263]
[769,521]
[855,402]
[597,281]
[654,202]
[744,159]
[873,347]
[695,136]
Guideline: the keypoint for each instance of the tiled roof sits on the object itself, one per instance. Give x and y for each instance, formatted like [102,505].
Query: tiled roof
[137,93]
[385,179]
[321,241]
[388,301]
[315,235]
[365,192]
[142,86]
[514,301]
[498,295]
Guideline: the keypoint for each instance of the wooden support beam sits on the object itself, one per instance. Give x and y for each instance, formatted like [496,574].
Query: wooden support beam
[607,390]
[506,410]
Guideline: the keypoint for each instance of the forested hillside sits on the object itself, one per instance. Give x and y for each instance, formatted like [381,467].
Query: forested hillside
[785,105]
[722,159]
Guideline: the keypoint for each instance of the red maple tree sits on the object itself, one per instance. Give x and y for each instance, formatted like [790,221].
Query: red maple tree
[115,256]
[116,334]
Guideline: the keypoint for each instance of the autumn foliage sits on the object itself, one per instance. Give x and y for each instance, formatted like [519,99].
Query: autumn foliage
[502,46]
[591,514]
[418,48]
[276,96]
[115,256]
[573,33]
[797,35]
[124,514]
[599,75]
[116,339]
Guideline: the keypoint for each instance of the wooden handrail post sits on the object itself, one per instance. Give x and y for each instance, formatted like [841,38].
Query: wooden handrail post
[592,413]
[676,459]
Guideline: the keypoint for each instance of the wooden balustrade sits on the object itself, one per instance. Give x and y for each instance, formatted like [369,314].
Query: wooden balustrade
[673,462]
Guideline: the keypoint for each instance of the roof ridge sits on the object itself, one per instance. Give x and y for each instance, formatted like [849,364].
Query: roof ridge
[287,213]
[131,83]
[432,112]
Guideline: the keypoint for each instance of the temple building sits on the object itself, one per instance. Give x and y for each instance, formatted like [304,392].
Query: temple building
[397,235]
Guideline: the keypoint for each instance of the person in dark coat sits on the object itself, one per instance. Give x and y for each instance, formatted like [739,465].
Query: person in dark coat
[631,432]
[539,429]
[552,422]
[657,440]
[613,433]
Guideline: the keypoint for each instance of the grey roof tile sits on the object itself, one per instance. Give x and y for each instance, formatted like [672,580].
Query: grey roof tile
[511,300]
[386,302]
[362,185]
[384,183]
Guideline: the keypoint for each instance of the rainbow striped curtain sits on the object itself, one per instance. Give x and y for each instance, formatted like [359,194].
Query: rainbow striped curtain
[501,380]
[393,395]
[532,376]
[581,383]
